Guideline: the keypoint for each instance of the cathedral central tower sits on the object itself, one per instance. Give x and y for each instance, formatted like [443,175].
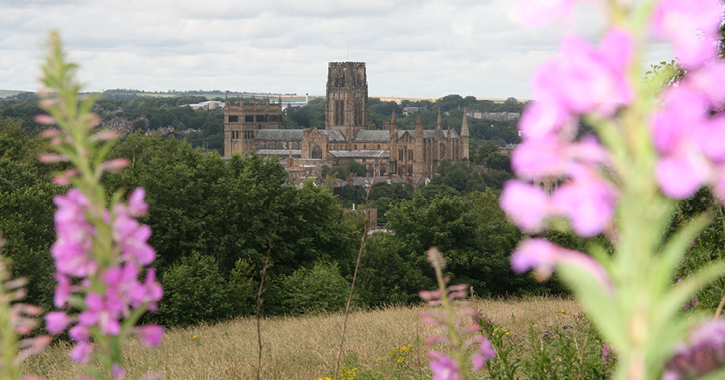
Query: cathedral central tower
[347,98]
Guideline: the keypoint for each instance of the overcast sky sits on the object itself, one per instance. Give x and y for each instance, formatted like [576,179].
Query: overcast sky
[422,48]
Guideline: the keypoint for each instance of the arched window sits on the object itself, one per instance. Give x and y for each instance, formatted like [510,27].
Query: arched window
[316,152]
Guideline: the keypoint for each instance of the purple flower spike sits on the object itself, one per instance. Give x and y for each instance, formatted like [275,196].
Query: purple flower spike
[541,120]
[703,353]
[444,368]
[543,256]
[584,79]
[679,176]
[150,334]
[527,205]
[588,201]
[691,25]
[118,372]
[81,353]
[79,333]
[535,253]
[136,205]
[100,312]
[56,322]
[540,158]
[478,359]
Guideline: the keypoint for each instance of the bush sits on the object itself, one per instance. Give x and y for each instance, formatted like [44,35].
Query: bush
[310,290]
[195,291]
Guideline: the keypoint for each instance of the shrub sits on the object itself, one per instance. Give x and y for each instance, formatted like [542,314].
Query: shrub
[317,289]
[196,291]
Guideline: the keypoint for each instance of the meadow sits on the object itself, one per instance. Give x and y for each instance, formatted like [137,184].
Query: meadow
[377,344]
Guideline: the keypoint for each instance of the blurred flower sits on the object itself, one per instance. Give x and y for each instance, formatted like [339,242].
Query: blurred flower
[543,256]
[692,26]
[538,13]
[443,367]
[702,354]
[150,334]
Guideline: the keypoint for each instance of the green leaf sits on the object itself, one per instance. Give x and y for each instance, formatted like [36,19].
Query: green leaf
[676,247]
[675,298]
[601,307]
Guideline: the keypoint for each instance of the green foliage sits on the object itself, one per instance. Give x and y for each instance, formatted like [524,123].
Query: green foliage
[705,249]
[26,211]
[309,290]
[571,349]
[194,291]
[462,178]
[310,116]
[473,234]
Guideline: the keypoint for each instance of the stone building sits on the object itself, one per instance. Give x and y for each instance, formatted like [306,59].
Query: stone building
[251,124]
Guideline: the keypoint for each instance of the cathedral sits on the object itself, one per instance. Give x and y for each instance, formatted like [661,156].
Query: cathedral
[254,124]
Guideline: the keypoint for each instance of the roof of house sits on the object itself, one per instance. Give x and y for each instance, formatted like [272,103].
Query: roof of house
[428,133]
[332,134]
[280,152]
[360,153]
[279,134]
[372,135]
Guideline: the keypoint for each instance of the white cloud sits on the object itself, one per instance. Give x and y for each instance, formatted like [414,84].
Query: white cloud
[412,48]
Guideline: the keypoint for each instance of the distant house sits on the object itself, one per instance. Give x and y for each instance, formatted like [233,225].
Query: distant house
[495,116]
[409,110]
[209,105]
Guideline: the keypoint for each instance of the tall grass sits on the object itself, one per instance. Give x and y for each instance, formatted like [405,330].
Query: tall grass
[301,347]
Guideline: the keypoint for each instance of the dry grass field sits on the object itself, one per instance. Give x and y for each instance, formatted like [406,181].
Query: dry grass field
[299,348]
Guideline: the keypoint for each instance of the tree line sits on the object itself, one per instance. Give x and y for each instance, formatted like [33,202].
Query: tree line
[168,112]
[213,222]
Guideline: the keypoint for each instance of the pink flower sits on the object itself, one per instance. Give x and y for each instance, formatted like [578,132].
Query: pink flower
[79,333]
[538,13]
[62,291]
[444,368]
[587,201]
[74,236]
[149,292]
[679,176]
[150,334]
[710,80]
[703,354]
[136,205]
[552,156]
[584,79]
[101,313]
[544,256]
[526,205]
[691,25]
[542,119]
[688,140]
[478,359]
[81,353]
[132,237]
[540,158]
[114,166]
[56,322]
[118,372]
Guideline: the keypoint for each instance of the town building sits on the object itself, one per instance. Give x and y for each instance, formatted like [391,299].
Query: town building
[254,124]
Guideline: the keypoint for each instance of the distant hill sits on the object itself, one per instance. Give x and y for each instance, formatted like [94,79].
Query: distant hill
[7,93]
[128,94]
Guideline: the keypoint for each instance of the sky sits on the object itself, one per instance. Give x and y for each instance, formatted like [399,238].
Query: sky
[415,48]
